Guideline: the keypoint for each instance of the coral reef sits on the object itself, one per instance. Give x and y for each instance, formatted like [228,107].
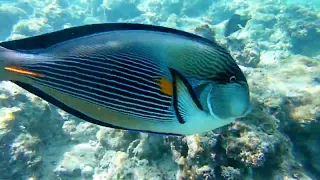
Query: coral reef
[302,31]
[12,15]
[113,10]
[279,139]
[28,125]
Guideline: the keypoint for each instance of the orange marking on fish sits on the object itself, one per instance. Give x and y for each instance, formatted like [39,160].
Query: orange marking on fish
[19,70]
[166,86]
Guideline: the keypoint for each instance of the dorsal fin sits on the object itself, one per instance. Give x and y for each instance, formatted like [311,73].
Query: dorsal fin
[49,39]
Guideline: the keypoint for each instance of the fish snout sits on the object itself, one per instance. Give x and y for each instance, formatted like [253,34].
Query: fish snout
[240,106]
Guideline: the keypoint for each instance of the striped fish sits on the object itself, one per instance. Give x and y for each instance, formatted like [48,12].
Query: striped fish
[131,76]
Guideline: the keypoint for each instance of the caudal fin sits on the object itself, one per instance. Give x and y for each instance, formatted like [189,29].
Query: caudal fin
[11,64]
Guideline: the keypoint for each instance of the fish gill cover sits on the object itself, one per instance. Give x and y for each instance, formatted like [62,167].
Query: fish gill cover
[277,49]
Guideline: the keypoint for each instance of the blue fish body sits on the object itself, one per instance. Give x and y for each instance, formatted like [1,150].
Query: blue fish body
[131,76]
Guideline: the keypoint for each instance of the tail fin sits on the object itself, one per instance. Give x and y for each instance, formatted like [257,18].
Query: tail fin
[11,64]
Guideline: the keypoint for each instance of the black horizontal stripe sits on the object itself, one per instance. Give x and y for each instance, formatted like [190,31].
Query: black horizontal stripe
[119,106]
[126,61]
[159,101]
[105,87]
[132,63]
[108,77]
[131,89]
[73,111]
[108,65]
[111,66]
[136,61]
[132,55]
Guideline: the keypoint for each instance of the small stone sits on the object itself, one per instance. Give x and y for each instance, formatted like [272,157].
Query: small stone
[295,175]
[87,172]
[61,170]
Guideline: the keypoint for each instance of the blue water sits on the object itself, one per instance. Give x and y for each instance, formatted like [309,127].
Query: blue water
[277,49]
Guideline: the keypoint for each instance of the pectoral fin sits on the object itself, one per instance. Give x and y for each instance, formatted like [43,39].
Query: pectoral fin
[185,102]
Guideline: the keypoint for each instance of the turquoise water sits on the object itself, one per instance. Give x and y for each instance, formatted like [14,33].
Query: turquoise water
[277,48]
[301,2]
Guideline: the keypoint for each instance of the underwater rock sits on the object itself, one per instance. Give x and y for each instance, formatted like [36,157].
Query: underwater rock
[22,133]
[31,27]
[290,95]
[54,11]
[303,30]
[205,31]
[87,172]
[231,173]
[194,155]
[296,74]
[172,21]
[25,148]
[195,8]
[83,131]
[246,145]
[245,53]
[147,147]
[170,7]
[16,36]
[118,140]
[7,117]
[113,9]
[91,20]
[118,165]
[255,145]
[10,15]
[78,161]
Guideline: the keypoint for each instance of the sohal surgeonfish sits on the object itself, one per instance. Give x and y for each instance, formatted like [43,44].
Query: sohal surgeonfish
[131,76]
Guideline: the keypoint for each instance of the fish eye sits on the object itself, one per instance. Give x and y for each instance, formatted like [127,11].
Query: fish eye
[232,79]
